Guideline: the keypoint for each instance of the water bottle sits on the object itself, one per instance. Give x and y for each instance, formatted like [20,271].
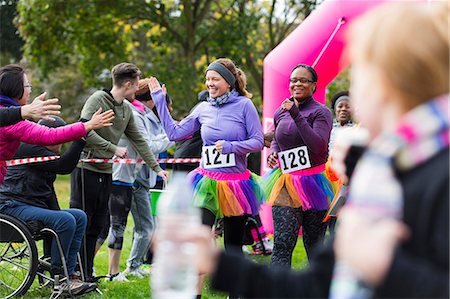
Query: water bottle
[175,273]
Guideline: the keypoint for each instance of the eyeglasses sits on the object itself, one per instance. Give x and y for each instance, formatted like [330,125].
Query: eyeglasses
[28,86]
[301,80]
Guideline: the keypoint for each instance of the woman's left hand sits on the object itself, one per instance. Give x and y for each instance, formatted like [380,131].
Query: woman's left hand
[287,105]
[367,243]
[219,146]
[154,85]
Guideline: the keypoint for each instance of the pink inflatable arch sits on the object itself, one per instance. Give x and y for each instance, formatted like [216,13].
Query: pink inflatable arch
[319,41]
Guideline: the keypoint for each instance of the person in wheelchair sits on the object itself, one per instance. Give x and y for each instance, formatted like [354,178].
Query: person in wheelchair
[28,193]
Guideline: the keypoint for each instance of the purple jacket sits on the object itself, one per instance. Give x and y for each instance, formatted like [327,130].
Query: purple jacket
[310,124]
[236,122]
[29,132]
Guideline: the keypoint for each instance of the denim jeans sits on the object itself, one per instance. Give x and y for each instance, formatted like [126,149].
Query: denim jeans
[69,224]
[141,210]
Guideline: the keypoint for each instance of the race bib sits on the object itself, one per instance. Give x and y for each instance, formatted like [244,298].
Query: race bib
[213,159]
[294,159]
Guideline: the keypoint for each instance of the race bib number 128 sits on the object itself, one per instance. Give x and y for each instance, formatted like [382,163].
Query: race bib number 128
[294,159]
[213,159]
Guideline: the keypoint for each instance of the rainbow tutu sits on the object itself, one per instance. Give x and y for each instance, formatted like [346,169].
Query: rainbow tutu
[227,194]
[309,189]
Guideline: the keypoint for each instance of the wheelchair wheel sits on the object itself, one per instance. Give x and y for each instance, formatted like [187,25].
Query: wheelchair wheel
[18,257]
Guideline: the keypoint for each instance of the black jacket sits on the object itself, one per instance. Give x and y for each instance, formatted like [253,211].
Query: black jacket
[33,183]
[420,266]
[10,116]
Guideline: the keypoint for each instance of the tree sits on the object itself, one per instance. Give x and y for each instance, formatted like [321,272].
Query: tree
[11,43]
[340,83]
[174,40]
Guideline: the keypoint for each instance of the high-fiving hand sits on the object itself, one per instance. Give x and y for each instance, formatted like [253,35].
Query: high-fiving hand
[41,108]
[100,119]
[154,85]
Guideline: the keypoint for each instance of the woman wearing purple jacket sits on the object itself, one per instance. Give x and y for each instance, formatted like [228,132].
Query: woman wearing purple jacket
[230,129]
[298,189]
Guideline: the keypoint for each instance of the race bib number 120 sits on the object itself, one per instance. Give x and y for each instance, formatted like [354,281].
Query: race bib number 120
[294,159]
[213,159]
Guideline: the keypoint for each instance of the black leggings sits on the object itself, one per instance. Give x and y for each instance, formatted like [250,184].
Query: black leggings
[119,208]
[287,222]
[233,229]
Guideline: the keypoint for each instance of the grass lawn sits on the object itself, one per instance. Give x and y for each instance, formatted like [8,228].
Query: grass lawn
[136,288]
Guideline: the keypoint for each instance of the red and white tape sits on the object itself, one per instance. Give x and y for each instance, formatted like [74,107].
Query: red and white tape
[111,161]
[140,161]
[28,160]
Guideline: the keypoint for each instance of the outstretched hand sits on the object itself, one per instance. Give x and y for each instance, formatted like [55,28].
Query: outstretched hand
[154,85]
[100,119]
[41,108]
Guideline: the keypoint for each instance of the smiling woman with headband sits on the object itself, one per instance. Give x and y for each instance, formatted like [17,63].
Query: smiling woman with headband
[230,129]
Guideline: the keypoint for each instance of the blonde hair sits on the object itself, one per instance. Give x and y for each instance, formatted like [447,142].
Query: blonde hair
[241,78]
[409,44]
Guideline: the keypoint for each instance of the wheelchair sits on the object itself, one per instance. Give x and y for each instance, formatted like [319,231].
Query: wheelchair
[20,262]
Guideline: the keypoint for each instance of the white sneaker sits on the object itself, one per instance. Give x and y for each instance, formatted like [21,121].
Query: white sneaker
[268,244]
[119,277]
[138,272]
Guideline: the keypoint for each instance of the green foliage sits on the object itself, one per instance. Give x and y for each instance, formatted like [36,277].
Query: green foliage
[11,42]
[340,83]
[174,40]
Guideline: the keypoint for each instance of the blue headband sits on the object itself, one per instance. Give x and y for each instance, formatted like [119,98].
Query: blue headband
[223,71]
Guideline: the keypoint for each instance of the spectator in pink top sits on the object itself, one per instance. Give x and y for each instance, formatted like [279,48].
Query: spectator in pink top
[15,90]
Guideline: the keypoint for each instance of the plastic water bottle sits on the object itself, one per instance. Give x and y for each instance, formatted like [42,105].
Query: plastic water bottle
[175,273]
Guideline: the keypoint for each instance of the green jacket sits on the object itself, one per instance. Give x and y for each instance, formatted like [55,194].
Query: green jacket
[102,143]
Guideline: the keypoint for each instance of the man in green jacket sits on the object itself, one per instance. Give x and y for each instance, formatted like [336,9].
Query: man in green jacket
[91,182]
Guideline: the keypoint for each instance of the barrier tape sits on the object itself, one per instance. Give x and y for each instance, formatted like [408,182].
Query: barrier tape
[113,161]
[28,160]
[140,161]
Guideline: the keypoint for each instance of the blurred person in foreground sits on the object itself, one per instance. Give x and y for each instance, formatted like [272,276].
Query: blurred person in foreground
[396,237]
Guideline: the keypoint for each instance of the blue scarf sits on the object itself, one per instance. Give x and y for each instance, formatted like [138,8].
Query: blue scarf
[7,101]
[221,99]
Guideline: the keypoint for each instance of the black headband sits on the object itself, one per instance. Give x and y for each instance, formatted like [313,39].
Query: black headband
[223,71]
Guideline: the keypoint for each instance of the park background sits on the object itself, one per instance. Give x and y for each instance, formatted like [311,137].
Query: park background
[70,46]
